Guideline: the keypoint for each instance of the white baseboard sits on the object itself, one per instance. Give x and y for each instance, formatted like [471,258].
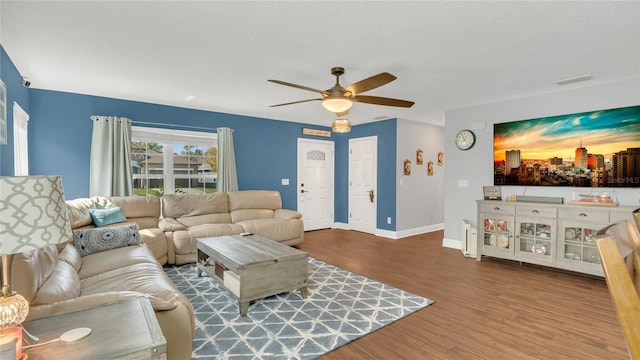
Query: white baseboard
[343,226]
[419,230]
[386,233]
[452,243]
[396,234]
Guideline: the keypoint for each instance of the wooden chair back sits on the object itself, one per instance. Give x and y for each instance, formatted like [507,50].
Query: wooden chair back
[618,246]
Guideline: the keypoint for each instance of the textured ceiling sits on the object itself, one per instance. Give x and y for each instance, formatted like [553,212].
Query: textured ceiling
[446,55]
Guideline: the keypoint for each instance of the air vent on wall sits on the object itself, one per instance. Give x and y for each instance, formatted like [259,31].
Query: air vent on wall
[575,79]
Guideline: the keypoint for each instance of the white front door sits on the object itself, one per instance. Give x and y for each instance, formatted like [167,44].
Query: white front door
[315,182]
[363,196]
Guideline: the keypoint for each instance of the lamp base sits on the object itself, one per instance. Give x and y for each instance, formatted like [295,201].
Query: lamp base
[11,343]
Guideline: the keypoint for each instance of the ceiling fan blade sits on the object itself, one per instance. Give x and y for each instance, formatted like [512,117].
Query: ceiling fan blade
[294,102]
[297,86]
[383,101]
[370,83]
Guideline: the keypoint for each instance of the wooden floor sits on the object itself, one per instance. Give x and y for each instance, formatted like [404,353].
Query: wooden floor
[493,309]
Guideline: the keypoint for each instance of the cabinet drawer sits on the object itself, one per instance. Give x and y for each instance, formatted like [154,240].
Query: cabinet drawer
[498,208]
[619,216]
[584,214]
[532,210]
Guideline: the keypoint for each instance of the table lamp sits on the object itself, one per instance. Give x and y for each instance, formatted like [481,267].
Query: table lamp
[33,214]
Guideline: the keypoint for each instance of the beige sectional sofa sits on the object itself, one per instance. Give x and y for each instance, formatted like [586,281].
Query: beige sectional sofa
[187,217]
[141,210]
[56,280]
[171,224]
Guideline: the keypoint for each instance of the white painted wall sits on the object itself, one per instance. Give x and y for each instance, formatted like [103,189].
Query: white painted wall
[476,165]
[419,198]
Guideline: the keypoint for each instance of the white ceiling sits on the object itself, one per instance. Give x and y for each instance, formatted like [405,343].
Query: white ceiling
[446,54]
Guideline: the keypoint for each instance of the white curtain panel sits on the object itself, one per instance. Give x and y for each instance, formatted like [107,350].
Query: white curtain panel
[110,163]
[227,174]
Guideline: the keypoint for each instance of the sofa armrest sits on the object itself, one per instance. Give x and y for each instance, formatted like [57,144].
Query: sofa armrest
[84,302]
[287,214]
[170,224]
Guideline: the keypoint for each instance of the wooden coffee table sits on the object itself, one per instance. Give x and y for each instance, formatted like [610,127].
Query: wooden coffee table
[252,267]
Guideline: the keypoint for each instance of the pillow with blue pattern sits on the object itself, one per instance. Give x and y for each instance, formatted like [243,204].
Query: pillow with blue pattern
[89,241]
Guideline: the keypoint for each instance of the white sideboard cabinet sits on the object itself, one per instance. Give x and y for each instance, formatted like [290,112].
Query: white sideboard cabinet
[556,235]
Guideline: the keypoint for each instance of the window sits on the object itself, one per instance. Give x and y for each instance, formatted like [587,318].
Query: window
[173,161]
[20,146]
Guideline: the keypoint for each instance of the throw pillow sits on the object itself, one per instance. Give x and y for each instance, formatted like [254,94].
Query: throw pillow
[112,215]
[89,241]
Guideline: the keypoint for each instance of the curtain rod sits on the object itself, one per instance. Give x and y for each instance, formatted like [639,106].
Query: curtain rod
[134,122]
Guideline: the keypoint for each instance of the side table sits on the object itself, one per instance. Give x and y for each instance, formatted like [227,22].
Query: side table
[121,330]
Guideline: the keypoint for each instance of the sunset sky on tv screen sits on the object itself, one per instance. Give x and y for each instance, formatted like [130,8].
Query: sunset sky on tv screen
[601,132]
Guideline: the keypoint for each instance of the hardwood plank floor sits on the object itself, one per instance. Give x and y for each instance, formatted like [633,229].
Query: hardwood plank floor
[493,309]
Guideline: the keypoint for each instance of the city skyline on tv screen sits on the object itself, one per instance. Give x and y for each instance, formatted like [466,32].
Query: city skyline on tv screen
[589,149]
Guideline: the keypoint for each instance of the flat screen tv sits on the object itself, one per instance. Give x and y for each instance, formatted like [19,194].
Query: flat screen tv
[590,149]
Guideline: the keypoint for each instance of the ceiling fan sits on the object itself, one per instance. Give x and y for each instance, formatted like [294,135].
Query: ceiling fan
[339,99]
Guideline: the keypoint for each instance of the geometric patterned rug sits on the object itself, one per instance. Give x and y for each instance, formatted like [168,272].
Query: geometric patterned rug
[340,307]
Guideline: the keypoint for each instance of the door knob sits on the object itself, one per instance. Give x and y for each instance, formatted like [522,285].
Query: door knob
[371,196]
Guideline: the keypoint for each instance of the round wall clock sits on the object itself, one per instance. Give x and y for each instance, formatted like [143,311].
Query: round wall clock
[465,139]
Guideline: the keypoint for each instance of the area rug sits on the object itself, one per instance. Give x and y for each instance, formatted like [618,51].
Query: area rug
[341,306]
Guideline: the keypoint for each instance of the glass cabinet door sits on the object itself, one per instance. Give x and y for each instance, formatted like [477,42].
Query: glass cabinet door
[535,238]
[579,243]
[497,234]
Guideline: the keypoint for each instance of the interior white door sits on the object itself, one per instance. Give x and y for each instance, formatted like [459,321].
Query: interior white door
[315,182]
[363,195]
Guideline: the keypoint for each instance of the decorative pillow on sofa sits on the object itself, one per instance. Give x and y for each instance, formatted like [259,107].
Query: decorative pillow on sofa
[89,241]
[112,215]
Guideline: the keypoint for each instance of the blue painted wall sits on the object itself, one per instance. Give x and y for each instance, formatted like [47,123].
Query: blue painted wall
[265,149]
[386,131]
[15,93]
[60,142]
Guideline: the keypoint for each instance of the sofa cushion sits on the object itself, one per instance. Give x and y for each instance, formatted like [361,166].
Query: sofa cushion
[108,216]
[253,204]
[254,199]
[177,206]
[78,209]
[89,241]
[145,278]
[287,214]
[190,221]
[144,210]
[274,229]
[97,263]
[248,214]
[156,241]
[71,256]
[63,284]
[185,243]
[30,270]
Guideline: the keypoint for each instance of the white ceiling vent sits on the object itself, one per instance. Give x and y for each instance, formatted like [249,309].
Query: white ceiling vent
[575,79]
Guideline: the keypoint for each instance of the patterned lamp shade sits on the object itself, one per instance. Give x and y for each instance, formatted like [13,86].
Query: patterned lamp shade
[33,213]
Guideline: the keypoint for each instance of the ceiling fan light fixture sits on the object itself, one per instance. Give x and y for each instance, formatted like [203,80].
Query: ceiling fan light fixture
[341,125]
[337,104]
